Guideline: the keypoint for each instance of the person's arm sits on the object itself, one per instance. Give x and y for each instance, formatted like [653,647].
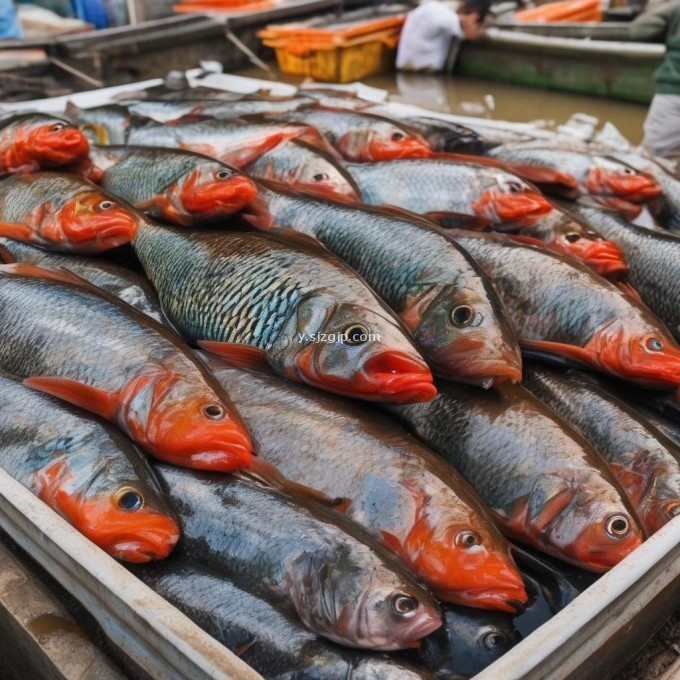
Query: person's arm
[652,26]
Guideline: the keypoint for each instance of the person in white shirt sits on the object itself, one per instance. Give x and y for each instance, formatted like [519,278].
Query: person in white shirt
[426,37]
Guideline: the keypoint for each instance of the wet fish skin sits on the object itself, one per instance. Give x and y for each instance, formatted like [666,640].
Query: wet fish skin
[425,508]
[447,190]
[546,487]
[64,212]
[108,124]
[306,168]
[178,187]
[312,562]
[273,643]
[562,233]
[96,352]
[36,141]
[418,271]
[654,267]
[645,463]
[119,281]
[286,302]
[87,471]
[561,307]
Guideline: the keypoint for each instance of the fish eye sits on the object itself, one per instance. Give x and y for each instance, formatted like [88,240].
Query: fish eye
[223,174]
[321,177]
[356,334]
[58,126]
[628,171]
[617,526]
[398,136]
[673,509]
[514,187]
[467,539]
[494,640]
[654,345]
[404,605]
[572,237]
[106,205]
[129,499]
[462,316]
[213,411]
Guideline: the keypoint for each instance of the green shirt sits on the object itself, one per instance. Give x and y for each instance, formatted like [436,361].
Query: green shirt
[662,23]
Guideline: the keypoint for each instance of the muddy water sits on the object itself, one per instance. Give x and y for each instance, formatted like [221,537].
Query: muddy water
[486,99]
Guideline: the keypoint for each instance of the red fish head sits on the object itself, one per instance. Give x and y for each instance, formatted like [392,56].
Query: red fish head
[511,201]
[123,523]
[184,423]
[57,144]
[618,179]
[353,351]
[466,563]
[465,335]
[90,222]
[213,191]
[660,512]
[384,142]
[643,352]
[603,257]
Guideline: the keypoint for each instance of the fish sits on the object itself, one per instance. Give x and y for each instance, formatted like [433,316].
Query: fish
[273,643]
[410,500]
[645,463]
[560,307]
[595,174]
[305,168]
[468,642]
[69,339]
[35,141]
[283,302]
[119,281]
[653,259]
[439,293]
[107,124]
[308,560]
[361,137]
[64,212]
[451,193]
[238,141]
[444,135]
[177,187]
[86,471]
[562,233]
[545,485]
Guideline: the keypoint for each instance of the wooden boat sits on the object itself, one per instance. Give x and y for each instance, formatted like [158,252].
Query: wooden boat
[565,57]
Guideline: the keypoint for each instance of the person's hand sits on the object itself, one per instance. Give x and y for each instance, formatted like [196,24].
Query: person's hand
[471,25]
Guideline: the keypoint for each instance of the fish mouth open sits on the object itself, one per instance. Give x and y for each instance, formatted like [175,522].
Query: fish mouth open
[396,378]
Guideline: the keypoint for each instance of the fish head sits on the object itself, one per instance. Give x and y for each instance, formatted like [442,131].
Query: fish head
[212,190]
[575,240]
[358,601]
[465,334]
[468,642]
[91,220]
[52,143]
[613,178]
[582,522]
[383,141]
[126,518]
[509,200]
[318,176]
[465,562]
[638,348]
[352,350]
[185,422]
[654,490]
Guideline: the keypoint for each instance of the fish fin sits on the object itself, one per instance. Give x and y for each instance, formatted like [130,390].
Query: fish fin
[543,513]
[540,348]
[624,287]
[262,471]
[403,214]
[92,399]
[454,220]
[525,240]
[6,256]
[72,109]
[391,541]
[257,215]
[59,274]
[204,149]
[633,483]
[238,355]
[288,236]
[15,231]
[629,210]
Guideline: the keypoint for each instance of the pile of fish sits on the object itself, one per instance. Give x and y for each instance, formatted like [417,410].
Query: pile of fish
[202,294]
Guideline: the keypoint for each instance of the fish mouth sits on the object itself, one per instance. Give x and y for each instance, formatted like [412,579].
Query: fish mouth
[603,257]
[116,234]
[223,197]
[64,147]
[509,599]
[634,188]
[155,540]
[236,453]
[602,559]
[384,151]
[421,628]
[397,378]
[521,210]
